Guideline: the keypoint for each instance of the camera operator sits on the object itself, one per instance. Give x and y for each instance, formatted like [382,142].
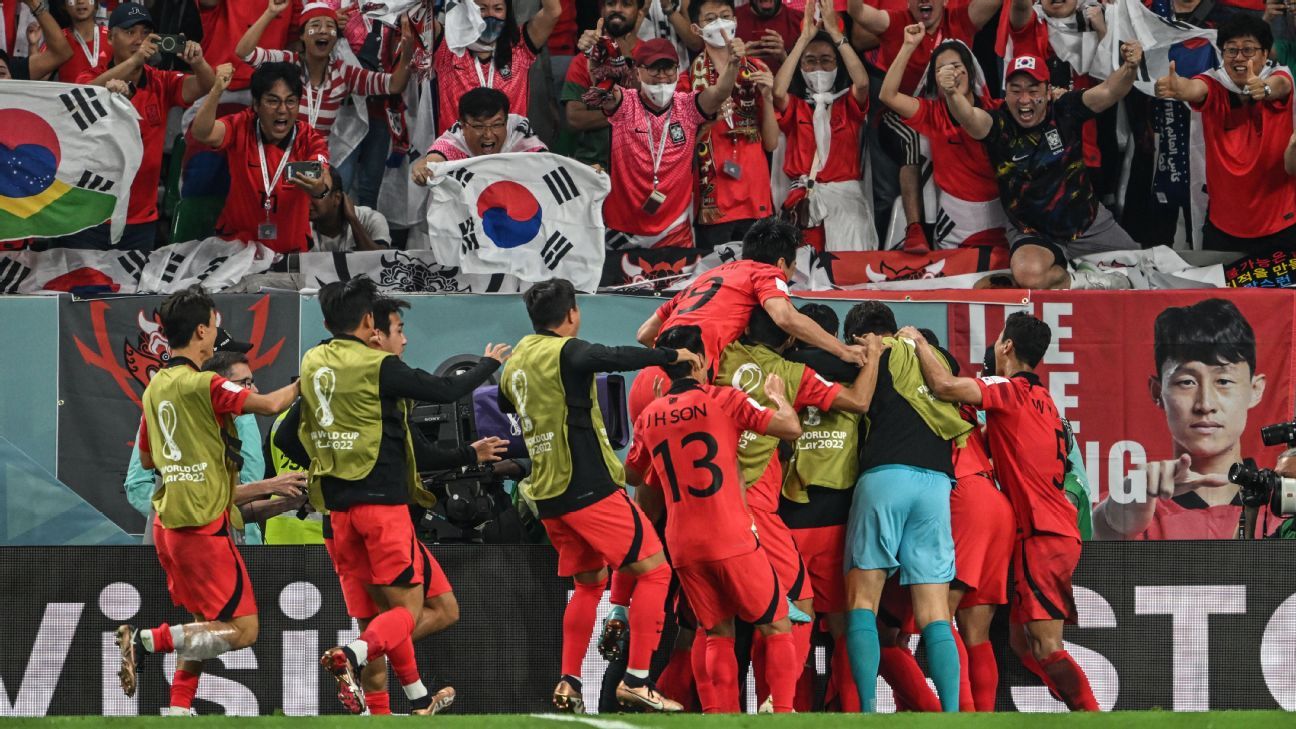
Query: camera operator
[1285,467]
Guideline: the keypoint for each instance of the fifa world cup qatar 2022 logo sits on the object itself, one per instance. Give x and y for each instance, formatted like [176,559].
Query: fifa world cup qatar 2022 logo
[324,381]
[518,383]
[167,422]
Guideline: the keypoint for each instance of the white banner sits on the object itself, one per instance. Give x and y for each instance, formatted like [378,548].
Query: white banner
[401,272]
[1130,20]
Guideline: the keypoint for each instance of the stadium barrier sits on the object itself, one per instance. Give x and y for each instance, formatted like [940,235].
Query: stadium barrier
[1187,626]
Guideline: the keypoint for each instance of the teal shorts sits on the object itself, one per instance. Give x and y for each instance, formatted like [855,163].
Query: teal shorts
[900,520]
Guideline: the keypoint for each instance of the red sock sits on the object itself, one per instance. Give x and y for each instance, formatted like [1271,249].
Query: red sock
[578,626]
[758,661]
[702,679]
[966,702]
[901,670]
[183,687]
[844,679]
[647,613]
[379,702]
[1070,680]
[983,673]
[403,663]
[162,641]
[802,633]
[781,670]
[676,680]
[1032,665]
[623,584]
[387,631]
[722,670]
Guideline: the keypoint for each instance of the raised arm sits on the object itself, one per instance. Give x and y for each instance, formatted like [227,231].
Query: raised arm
[981,12]
[57,49]
[713,97]
[870,18]
[786,424]
[542,24]
[859,396]
[805,329]
[248,43]
[975,120]
[206,128]
[943,384]
[400,75]
[850,59]
[677,16]
[1174,86]
[272,403]
[769,129]
[1106,94]
[397,379]
[792,64]
[125,70]
[903,104]
[1020,13]
[651,327]
[204,76]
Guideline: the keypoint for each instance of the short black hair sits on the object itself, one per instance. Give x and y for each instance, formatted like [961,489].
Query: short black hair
[684,336]
[1030,337]
[222,363]
[549,302]
[869,317]
[182,313]
[770,239]
[695,7]
[1211,331]
[265,76]
[339,185]
[345,303]
[483,103]
[823,315]
[761,329]
[1241,25]
[930,336]
[383,309]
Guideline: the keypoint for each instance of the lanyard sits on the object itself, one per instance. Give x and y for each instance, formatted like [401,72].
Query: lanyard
[661,146]
[93,59]
[270,185]
[315,100]
[487,81]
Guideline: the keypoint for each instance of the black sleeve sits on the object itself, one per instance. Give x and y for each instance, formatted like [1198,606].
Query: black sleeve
[430,456]
[1071,111]
[830,367]
[397,379]
[580,356]
[949,358]
[287,440]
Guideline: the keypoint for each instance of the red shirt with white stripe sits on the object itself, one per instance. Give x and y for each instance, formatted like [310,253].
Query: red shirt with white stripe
[83,55]
[847,119]
[960,163]
[457,75]
[341,81]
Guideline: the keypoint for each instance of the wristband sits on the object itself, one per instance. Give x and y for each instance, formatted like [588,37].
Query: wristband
[842,42]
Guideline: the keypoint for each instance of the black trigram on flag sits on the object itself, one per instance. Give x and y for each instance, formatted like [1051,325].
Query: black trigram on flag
[463,176]
[172,267]
[91,181]
[133,263]
[561,185]
[468,231]
[84,107]
[555,249]
[12,274]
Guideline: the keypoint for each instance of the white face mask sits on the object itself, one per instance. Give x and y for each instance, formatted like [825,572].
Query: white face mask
[712,33]
[819,82]
[659,94]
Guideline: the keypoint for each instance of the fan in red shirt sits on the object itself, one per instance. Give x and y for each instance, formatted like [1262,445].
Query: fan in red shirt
[266,204]
[1029,445]
[769,28]
[90,48]
[688,440]
[960,166]
[721,302]
[225,21]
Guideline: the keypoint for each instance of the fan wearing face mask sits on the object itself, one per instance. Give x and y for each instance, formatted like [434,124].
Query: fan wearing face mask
[327,79]
[654,139]
[733,181]
[492,51]
[821,95]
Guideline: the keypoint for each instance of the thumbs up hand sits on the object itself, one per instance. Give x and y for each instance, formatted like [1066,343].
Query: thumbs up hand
[1167,87]
[1256,87]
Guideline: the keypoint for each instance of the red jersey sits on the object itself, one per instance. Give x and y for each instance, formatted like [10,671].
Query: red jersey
[227,399]
[974,457]
[1026,438]
[1245,144]
[155,93]
[244,211]
[224,25]
[811,391]
[786,22]
[689,441]
[960,163]
[562,42]
[746,196]
[721,300]
[956,24]
[9,22]
[457,75]
[797,122]
[84,56]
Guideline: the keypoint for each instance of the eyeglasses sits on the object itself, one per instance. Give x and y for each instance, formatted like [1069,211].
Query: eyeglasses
[483,128]
[662,72]
[245,382]
[1234,51]
[275,102]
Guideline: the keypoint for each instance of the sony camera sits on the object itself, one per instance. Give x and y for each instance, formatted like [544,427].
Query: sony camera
[1260,486]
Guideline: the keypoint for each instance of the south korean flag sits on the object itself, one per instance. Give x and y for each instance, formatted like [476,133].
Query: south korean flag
[535,216]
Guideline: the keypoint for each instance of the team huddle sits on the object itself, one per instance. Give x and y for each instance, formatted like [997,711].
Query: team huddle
[784,478]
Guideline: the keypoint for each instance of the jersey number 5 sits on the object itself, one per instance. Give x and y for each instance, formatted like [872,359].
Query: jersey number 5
[705,463]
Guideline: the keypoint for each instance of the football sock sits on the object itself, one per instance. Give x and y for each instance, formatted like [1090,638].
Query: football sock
[698,660]
[647,613]
[802,634]
[162,639]
[417,694]
[676,680]
[782,670]
[1070,681]
[183,687]
[843,680]
[722,670]
[379,702]
[758,666]
[623,584]
[865,655]
[900,669]
[966,702]
[385,631]
[943,661]
[403,663]
[1028,660]
[578,625]
[983,672]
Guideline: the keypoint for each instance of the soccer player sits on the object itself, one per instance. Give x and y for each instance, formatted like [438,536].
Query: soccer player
[576,484]
[355,431]
[1027,443]
[689,440]
[721,302]
[185,432]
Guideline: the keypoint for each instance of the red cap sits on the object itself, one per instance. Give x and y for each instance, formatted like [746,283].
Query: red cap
[655,51]
[317,10]
[1032,66]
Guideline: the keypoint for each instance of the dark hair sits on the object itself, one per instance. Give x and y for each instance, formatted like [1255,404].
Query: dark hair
[684,336]
[483,103]
[383,308]
[965,55]
[509,37]
[183,312]
[1211,331]
[222,363]
[695,8]
[1030,337]
[339,185]
[824,316]
[869,317]
[798,86]
[265,76]
[549,302]
[930,336]
[770,239]
[345,303]
[1241,25]
[761,329]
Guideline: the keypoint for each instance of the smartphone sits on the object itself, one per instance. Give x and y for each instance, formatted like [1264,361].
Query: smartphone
[171,45]
[313,170]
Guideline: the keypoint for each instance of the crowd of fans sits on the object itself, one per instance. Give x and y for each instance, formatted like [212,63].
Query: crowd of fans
[707,115]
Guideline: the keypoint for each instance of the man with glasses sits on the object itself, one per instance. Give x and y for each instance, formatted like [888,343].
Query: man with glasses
[1246,121]
[485,126]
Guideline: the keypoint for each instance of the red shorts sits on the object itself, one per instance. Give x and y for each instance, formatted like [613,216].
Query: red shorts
[361,606]
[777,541]
[611,532]
[1042,567]
[895,609]
[375,545]
[984,532]
[641,390]
[823,550]
[744,586]
[205,572]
